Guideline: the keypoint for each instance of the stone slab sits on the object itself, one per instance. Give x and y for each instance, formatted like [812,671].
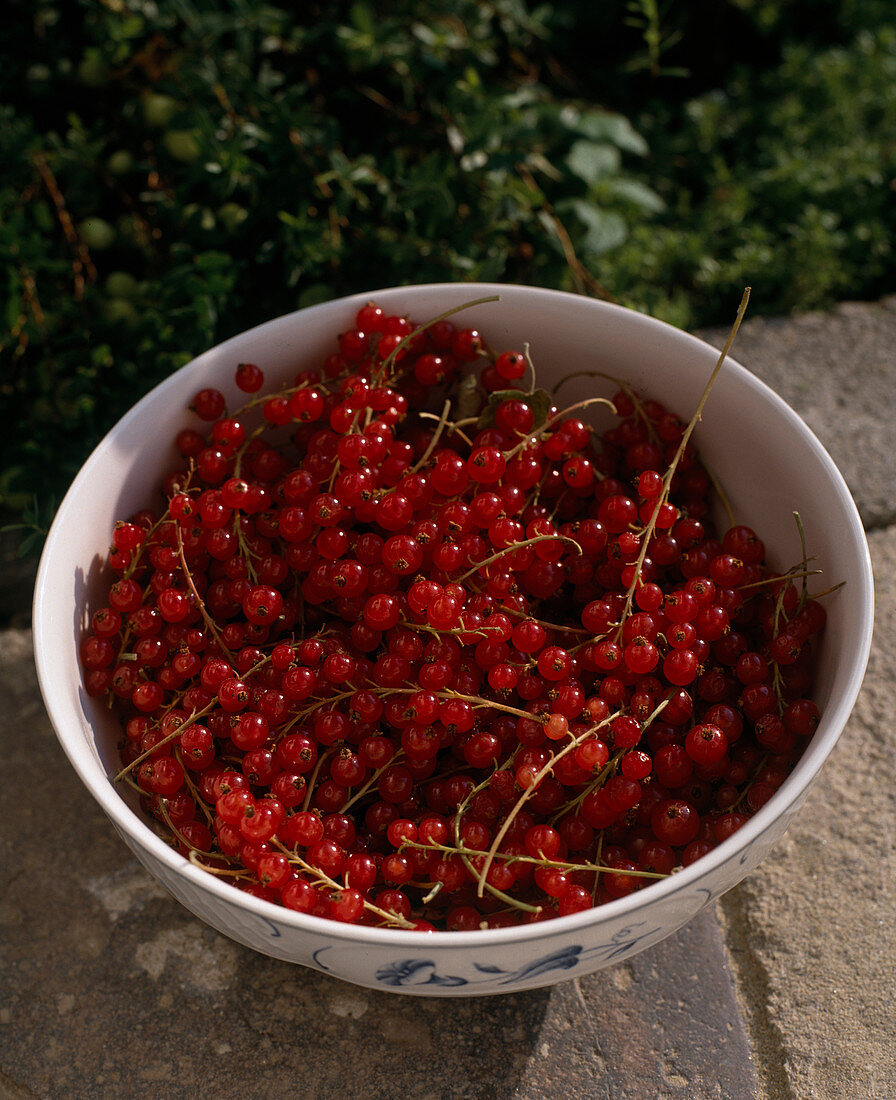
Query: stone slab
[812,931]
[17,575]
[782,992]
[838,370]
[109,988]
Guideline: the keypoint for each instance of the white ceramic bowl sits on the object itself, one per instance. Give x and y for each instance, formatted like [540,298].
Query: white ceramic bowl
[763,453]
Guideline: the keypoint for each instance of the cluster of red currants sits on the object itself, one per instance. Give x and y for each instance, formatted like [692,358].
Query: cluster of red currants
[454,666]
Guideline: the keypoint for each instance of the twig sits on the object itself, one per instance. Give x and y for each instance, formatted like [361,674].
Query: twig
[82,265]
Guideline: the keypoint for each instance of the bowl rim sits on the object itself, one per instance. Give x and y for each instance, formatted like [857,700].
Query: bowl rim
[794,789]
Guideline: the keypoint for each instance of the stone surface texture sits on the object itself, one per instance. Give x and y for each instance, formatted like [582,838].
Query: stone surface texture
[811,934]
[782,991]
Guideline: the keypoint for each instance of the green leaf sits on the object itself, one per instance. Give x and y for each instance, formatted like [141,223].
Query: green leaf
[315,294]
[14,302]
[635,192]
[606,126]
[362,18]
[29,543]
[593,161]
[43,219]
[604,229]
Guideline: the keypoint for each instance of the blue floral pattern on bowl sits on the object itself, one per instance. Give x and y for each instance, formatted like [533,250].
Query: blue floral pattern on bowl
[424,971]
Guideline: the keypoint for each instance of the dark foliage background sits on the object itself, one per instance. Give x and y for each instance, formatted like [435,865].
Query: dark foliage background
[175,172]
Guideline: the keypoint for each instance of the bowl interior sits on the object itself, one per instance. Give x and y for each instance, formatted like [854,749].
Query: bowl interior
[761,452]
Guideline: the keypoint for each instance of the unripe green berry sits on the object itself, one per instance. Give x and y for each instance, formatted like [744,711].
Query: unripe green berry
[158,109]
[121,284]
[93,70]
[231,215]
[96,233]
[121,310]
[120,162]
[182,145]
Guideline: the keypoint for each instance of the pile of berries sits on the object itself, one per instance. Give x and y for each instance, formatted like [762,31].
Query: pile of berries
[405,645]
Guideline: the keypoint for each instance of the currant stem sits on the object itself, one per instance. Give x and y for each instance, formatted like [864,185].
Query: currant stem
[802,533]
[507,857]
[221,872]
[524,797]
[673,465]
[548,424]
[390,362]
[514,903]
[392,919]
[436,435]
[514,547]
[309,791]
[362,790]
[722,495]
[200,603]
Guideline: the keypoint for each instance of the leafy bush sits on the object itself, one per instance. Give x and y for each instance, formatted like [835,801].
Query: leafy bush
[784,180]
[182,172]
[178,172]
